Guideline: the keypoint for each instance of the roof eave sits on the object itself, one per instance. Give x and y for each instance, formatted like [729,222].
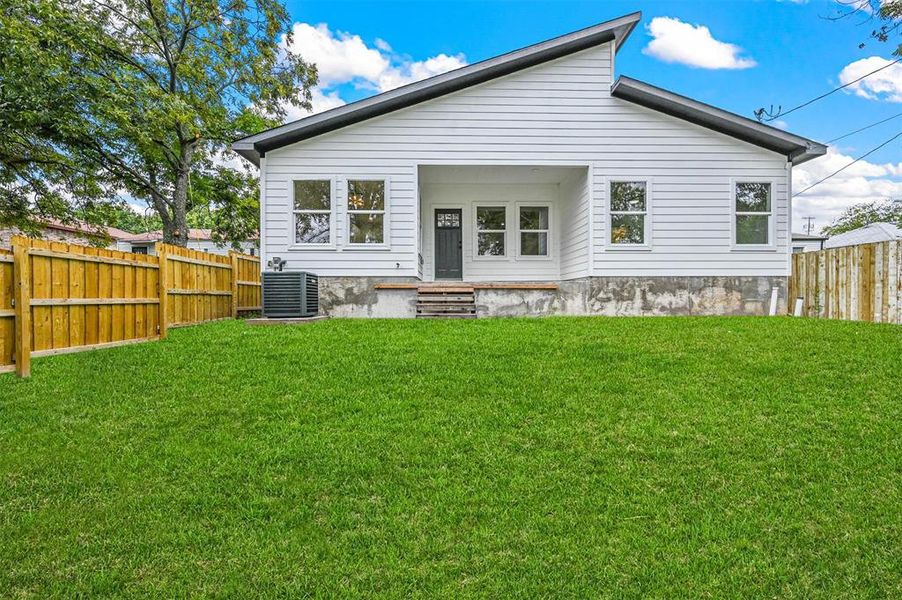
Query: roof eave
[247,151]
[796,148]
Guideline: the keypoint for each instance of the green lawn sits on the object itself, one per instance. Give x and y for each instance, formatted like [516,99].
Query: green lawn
[684,457]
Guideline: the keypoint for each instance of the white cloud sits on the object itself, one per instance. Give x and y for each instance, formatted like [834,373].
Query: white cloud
[415,71]
[339,56]
[883,85]
[344,58]
[862,182]
[693,45]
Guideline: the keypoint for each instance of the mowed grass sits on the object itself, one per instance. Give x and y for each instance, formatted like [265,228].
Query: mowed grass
[684,457]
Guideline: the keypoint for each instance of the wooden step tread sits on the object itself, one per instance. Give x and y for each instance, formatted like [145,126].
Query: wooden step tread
[446,316]
[448,299]
[445,290]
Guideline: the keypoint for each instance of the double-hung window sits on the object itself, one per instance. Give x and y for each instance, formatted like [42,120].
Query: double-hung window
[752,205]
[628,221]
[491,230]
[312,212]
[366,211]
[534,230]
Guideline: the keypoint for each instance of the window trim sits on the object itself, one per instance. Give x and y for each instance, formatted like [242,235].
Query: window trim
[537,204]
[385,212]
[647,229]
[771,244]
[476,230]
[332,212]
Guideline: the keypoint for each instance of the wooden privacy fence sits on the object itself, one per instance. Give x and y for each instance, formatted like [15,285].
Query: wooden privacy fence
[856,283]
[57,297]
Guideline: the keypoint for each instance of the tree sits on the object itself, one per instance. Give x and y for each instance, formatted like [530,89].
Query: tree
[106,98]
[859,215]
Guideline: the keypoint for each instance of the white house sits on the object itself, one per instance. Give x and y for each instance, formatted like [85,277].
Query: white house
[869,234]
[540,182]
[198,239]
[806,242]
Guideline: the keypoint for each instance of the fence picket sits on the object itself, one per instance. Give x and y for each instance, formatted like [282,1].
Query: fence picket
[852,283]
[57,298]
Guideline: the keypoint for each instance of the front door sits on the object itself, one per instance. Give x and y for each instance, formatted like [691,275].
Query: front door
[448,245]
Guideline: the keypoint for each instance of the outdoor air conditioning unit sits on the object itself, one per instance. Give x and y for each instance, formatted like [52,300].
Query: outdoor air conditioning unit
[290,294]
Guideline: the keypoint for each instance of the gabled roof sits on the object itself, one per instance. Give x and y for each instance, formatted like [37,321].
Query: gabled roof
[794,147]
[616,30]
[85,228]
[875,232]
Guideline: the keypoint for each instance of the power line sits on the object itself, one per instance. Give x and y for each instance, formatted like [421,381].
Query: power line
[838,171]
[836,139]
[834,90]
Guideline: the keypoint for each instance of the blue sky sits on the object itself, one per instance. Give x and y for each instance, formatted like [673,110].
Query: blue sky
[782,53]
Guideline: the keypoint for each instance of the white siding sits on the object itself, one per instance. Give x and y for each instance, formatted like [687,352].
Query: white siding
[574,226]
[559,113]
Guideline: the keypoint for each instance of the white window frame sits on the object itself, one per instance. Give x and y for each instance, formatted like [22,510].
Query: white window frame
[385,212]
[548,231]
[608,213]
[476,230]
[771,244]
[295,245]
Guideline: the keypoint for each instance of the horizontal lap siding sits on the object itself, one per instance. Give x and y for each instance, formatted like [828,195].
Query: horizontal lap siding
[574,227]
[557,113]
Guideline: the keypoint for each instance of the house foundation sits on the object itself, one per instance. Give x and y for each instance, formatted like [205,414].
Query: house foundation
[609,296]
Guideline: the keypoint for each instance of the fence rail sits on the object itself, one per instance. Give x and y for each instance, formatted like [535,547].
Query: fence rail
[57,298]
[856,283]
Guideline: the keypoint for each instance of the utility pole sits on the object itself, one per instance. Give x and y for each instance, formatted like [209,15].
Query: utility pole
[809,225]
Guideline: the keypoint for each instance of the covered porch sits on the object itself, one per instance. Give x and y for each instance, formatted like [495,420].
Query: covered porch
[497,225]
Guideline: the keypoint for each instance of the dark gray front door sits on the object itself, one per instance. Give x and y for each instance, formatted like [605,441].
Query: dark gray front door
[448,247]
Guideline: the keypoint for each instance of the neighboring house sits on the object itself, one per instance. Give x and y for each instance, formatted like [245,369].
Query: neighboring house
[540,181]
[76,232]
[198,239]
[869,234]
[803,242]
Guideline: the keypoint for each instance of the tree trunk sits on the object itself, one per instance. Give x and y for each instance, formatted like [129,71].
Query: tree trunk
[177,232]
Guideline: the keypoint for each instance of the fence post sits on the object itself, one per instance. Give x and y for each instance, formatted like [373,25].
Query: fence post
[234,256]
[162,287]
[22,296]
